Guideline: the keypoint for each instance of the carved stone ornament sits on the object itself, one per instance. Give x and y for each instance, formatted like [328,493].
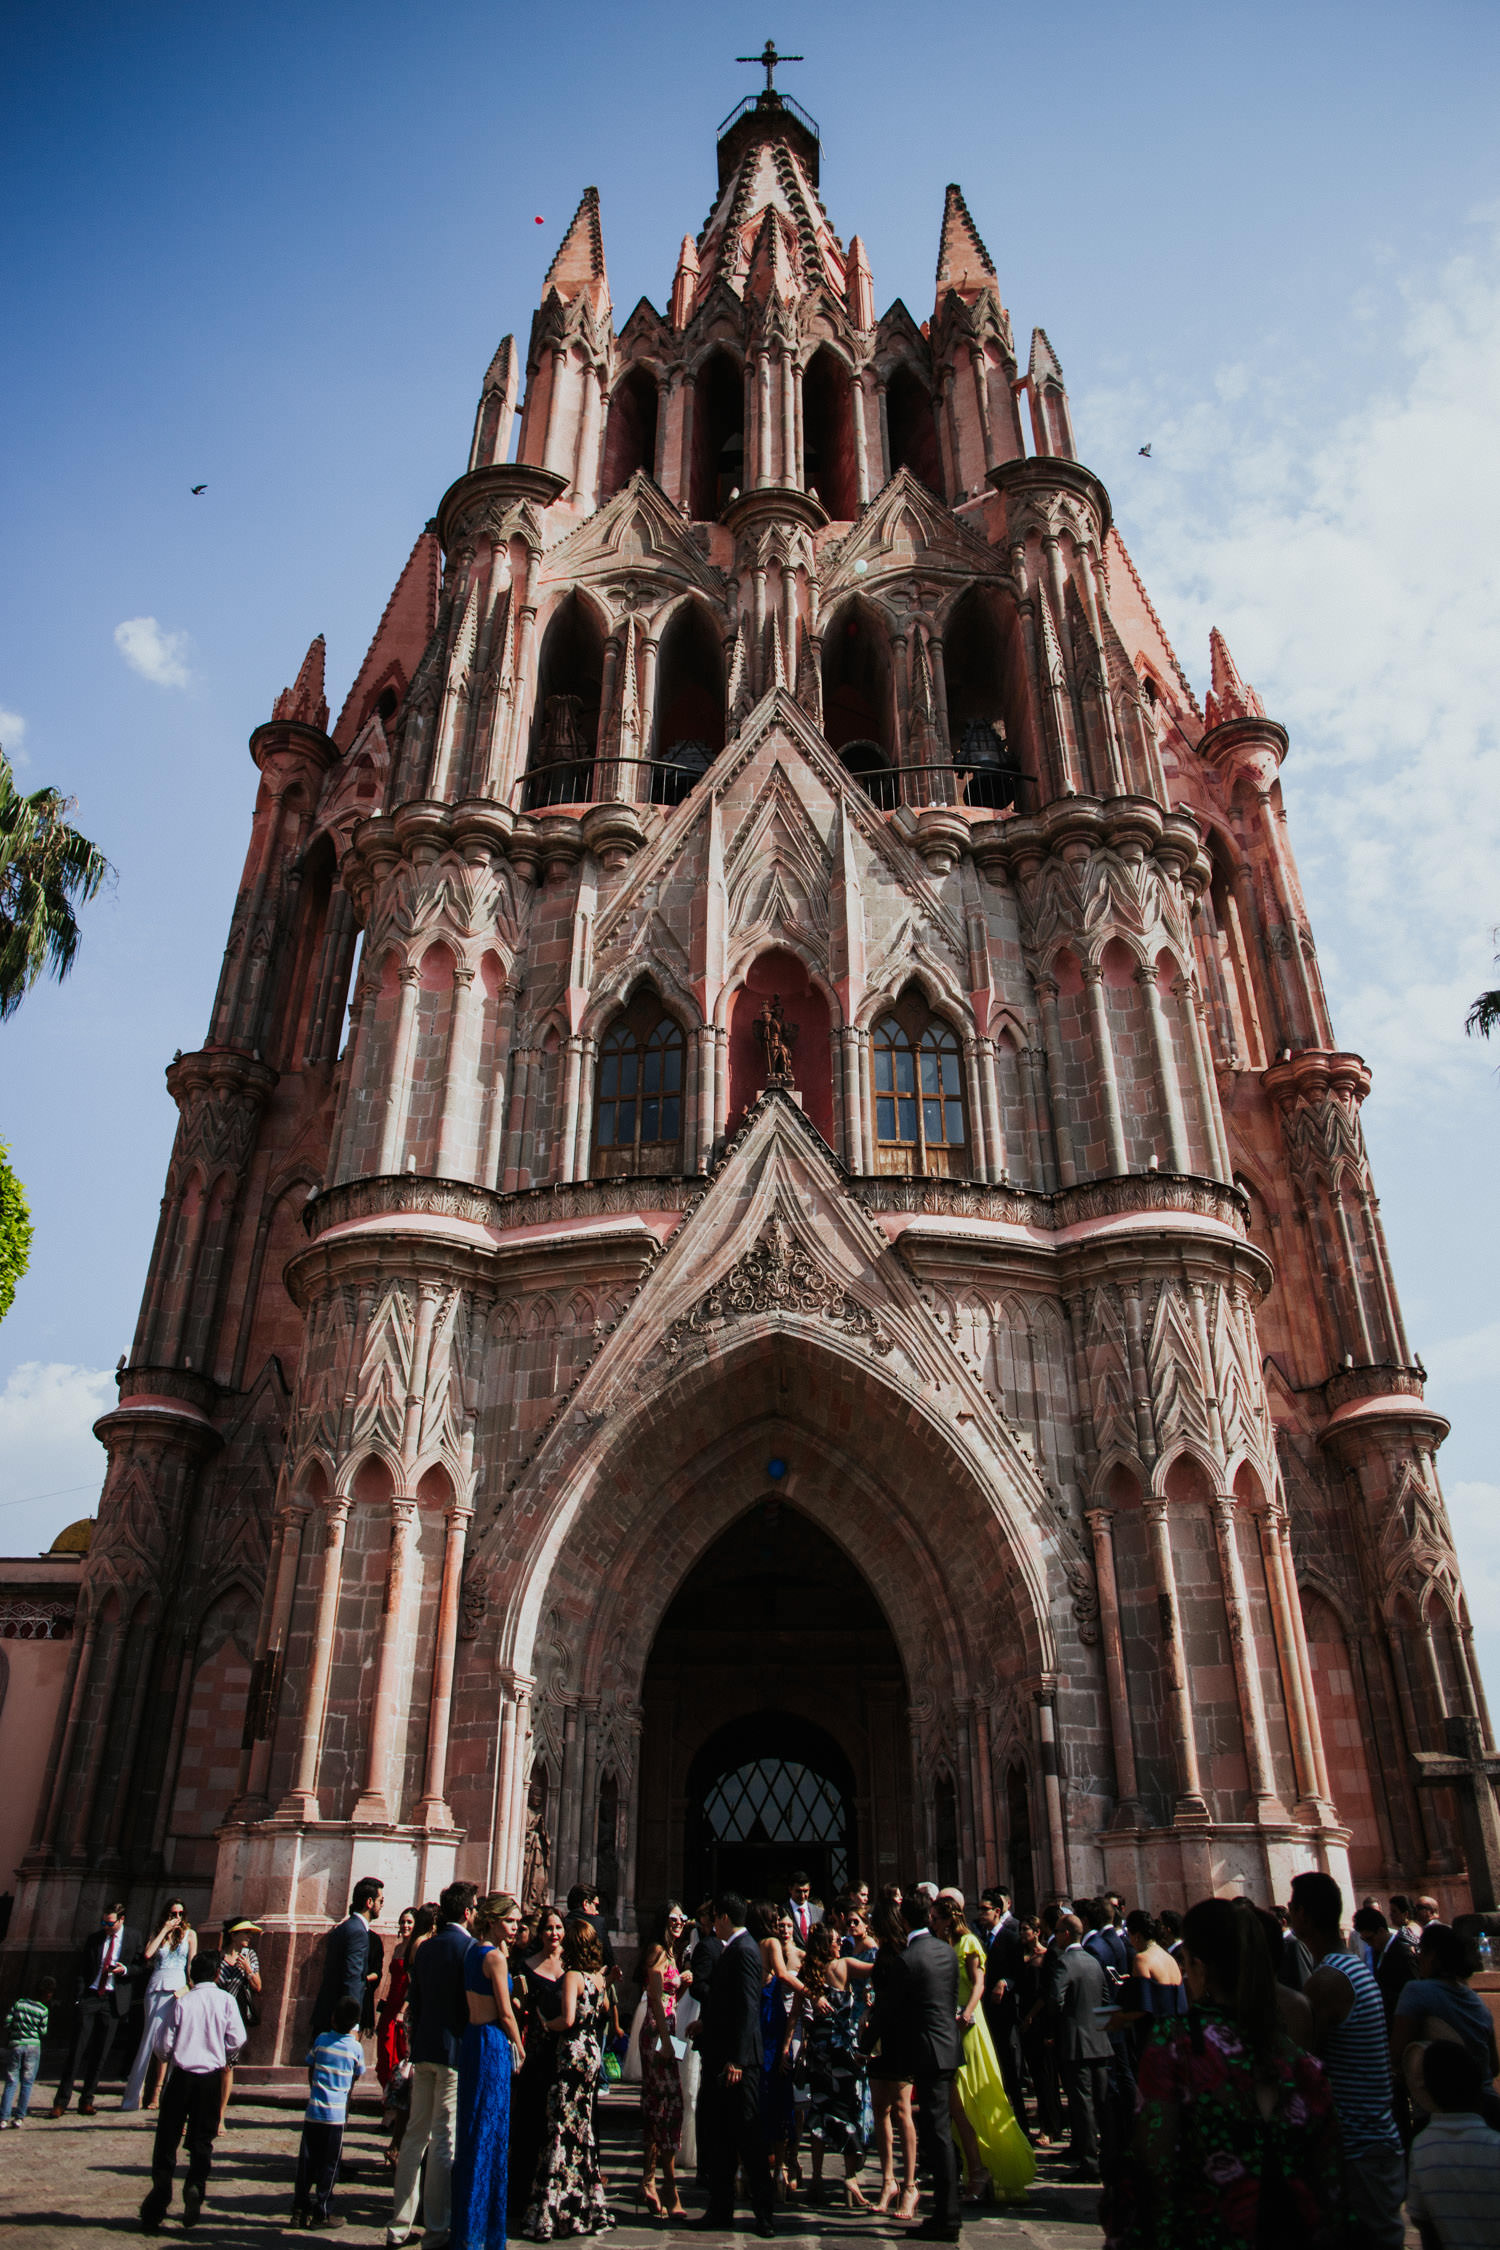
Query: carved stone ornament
[473,1607]
[777,1276]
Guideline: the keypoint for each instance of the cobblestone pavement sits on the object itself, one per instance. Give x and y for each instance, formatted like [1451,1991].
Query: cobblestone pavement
[81,2180]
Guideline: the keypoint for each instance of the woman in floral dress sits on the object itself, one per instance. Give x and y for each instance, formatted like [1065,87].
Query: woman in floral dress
[661,2084]
[832,2010]
[1236,2141]
[568,2196]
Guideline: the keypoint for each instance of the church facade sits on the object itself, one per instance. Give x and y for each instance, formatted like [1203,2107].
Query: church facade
[769,1258]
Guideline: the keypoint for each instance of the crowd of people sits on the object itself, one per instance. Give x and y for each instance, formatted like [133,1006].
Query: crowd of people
[1232,2076]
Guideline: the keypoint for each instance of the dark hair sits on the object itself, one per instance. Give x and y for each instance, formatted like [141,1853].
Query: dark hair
[654,1937]
[1451,2076]
[822,1947]
[1369,1921]
[204,1967]
[45,1987]
[799,1875]
[996,1897]
[1450,1954]
[1320,1899]
[1274,1937]
[1138,1923]
[732,1907]
[455,1901]
[1227,1939]
[1096,1912]
[424,1922]
[887,1923]
[346,2013]
[915,1911]
[761,1917]
[366,1892]
[581,1949]
[579,1896]
[1169,1925]
[1401,1906]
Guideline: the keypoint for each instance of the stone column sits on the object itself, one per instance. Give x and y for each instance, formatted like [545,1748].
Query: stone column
[82,1666]
[989,1088]
[393,1133]
[1304,1660]
[1292,1681]
[584,1134]
[861,444]
[1057,1843]
[765,418]
[1104,1065]
[375,1804]
[1191,1809]
[1265,1802]
[980,1146]
[788,419]
[1166,1073]
[88,1782]
[566,1139]
[301,1800]
[294,1517]
[982,400]
[1062,1137]
[883,416]
[458,1078]
[433,1812]
[854,1139]
[1127,1787]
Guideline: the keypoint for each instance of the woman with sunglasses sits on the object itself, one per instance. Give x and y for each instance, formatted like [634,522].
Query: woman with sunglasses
[170,1954]
[661,2081]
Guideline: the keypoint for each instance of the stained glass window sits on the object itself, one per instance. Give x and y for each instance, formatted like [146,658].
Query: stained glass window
[777,1801]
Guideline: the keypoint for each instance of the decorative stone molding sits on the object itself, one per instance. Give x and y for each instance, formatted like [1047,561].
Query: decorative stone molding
[1132,1194]
[777,1276]
[403,1195]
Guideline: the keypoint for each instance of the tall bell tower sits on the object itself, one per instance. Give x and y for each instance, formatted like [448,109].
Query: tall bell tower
[770,1256]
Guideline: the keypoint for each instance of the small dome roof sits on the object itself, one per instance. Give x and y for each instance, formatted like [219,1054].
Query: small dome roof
[75,1540]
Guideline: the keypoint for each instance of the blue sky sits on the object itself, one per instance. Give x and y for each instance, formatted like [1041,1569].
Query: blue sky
[273,249]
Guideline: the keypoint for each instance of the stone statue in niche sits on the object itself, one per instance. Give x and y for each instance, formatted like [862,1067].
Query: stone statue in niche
[777,1038]
[536,1864]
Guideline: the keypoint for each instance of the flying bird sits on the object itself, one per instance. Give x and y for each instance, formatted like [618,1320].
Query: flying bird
[1144,452]
[200,488]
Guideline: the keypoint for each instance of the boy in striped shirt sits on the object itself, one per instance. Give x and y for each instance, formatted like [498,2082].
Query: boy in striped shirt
[333,2067]
[25,2028]
[1453,2193]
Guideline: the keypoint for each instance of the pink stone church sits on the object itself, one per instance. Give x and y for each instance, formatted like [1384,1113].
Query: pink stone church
[769,1259]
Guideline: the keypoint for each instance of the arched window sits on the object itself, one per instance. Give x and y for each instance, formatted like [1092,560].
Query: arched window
[718,436]
[974,659]
[638,1093]
[913,431]
[828,463]
[630,439]
[565,727]
[857,698]
[689,705]
[919,1103]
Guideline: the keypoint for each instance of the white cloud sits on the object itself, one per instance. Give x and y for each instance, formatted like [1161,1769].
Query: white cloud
[51,1465]
[1349,565]
[1474,1358]
[156,654]
[12,735]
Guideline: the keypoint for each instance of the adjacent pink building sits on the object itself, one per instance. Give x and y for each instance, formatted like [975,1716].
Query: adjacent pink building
[561,1441]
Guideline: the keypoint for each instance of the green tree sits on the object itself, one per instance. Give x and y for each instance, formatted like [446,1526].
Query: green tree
[15,1232]
[46,869]
[1484,1016]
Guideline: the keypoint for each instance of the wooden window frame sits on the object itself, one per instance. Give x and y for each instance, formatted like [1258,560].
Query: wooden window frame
[923,1032]
[642,1031]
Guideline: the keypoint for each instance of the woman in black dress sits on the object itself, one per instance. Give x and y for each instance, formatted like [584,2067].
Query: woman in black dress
[536,1996]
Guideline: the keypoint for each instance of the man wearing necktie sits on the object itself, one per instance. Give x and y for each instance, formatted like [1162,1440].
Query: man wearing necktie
[104,1992]
[805,1916]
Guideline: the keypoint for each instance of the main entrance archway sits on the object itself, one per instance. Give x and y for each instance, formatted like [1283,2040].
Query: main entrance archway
[775,1732]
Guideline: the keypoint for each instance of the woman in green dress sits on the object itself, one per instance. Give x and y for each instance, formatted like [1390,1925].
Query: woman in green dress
[993,2143]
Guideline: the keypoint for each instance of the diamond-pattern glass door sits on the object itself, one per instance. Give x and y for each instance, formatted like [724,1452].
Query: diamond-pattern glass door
[778,1801]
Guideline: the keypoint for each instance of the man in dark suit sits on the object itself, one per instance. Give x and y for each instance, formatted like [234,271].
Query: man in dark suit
[729,2041]
[916,2022]
[436,2014]
[1078,1997]
[1004,1956]
[346,1955]
[106,1964]
[799,1904]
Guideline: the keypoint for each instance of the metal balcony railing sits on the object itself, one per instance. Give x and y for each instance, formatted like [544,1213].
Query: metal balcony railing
[666,781]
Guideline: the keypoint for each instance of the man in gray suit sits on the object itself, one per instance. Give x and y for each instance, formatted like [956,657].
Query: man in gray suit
[915,2020]
[1079,2002]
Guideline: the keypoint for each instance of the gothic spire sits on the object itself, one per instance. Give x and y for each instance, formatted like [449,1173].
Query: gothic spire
[684,283]
[400,638]
[963,264]
[497,406]
[305,702]
[1229,696]
[578,268]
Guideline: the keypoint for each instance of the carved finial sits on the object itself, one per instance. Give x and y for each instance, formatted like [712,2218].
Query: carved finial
[305,701]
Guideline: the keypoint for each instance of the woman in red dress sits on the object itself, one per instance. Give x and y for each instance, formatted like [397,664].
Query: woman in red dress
[390,2023]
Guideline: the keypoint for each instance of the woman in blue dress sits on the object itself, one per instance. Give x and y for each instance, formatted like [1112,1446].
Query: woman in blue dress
[490,2052]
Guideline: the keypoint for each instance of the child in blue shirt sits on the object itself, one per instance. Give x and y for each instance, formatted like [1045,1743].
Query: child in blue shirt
[333,2068]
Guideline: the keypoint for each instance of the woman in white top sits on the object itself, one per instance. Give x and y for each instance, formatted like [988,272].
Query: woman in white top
[169,1953]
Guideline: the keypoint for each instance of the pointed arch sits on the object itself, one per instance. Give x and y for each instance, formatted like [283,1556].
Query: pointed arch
[718,457]
[566,719]
[828,453]
[858,706]
[689,718]
[912,423]
[631,436]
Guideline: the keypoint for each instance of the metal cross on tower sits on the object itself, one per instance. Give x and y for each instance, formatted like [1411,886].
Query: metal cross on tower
[769,58]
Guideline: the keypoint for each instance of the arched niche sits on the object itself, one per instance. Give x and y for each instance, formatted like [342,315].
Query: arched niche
[857,700]
[773,1717]
[985,733]
[828,457]
[912,428]
[1343,1722]
[718,466]
[689,704]
[779,973]
[630,438]
[565,723]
